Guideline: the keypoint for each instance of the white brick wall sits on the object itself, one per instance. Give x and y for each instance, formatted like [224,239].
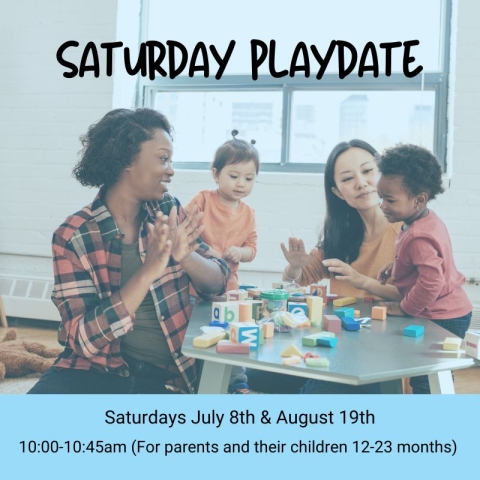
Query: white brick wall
[42,114]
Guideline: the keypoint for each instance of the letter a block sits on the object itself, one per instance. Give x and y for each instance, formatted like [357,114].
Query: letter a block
[244,332]
[294,307]
[225,311]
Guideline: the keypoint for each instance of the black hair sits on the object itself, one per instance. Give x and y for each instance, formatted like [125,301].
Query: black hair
[111,145]
[417,167]
[343,228]
[235,151]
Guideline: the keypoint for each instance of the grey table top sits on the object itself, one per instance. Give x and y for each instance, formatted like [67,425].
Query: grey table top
[376,353]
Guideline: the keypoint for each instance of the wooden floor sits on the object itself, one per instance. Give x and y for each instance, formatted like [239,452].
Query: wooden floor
[467,381]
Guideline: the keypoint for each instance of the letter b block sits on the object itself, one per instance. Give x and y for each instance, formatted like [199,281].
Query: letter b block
[225,311]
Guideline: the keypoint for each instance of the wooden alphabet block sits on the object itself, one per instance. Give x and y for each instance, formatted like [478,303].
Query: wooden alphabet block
[318,290]
[298,307]
[342,302]
[344,312]
[208,339]
[332,323]
[292,349]
[244,332]
[413,330]
[256,309]
[226,346]
[268,329]
[236,295]
[245,312]
[315,310]
[225,311]
[312,340]
[379,313]
[452,343]
[348,323]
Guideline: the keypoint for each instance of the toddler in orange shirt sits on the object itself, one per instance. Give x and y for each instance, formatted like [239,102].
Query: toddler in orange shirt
[230,228]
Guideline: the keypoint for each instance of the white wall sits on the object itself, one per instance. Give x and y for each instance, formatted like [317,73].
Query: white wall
[42,114]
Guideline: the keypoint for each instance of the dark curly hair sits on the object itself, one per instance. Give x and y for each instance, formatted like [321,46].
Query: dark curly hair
[111,145]
[235,151]
[418,168]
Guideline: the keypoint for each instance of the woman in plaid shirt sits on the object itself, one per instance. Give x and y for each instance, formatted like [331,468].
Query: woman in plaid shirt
[123,266]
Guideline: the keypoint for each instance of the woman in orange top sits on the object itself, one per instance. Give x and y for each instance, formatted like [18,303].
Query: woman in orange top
[357,240]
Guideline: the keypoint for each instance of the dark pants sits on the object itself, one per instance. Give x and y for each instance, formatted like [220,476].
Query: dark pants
[457,326]
[269,382]
[143,378]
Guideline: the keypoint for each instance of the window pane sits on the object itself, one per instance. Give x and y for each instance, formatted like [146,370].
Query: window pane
[204,120]
[315,22]
[320,120]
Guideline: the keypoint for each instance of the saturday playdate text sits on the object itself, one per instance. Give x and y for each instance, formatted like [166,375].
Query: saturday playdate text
[172,58]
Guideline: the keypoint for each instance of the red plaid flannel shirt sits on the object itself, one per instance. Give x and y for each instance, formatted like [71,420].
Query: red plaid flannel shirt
[87,255]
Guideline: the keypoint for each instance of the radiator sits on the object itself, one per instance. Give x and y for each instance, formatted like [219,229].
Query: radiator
[28,297]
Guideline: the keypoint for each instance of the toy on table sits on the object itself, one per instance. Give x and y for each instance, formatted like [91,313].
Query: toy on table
[344,301]
[226,346]
[452,343]
[348,323]
[208,339]
[315,310]
[292,349]
[472,344]
[413,330]
[317,362]
[379,313]
[344,312]
[332,323]
[312,340]
[245,332]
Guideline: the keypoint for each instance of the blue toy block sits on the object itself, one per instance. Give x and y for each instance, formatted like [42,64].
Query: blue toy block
[296,307]
[348,323]
[343,312]
[327,341]
[215,323]
[413,331]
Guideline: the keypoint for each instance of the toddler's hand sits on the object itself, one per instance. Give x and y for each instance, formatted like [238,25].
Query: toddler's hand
[385,273]
[393,308]
[232,254]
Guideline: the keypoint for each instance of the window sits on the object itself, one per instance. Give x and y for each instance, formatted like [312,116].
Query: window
[296,121]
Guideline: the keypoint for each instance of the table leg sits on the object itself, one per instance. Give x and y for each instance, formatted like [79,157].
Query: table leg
[441,382]
[214,377]
[391,387]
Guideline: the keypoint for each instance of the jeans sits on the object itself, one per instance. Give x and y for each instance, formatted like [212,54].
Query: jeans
[144,377]
[457,326]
